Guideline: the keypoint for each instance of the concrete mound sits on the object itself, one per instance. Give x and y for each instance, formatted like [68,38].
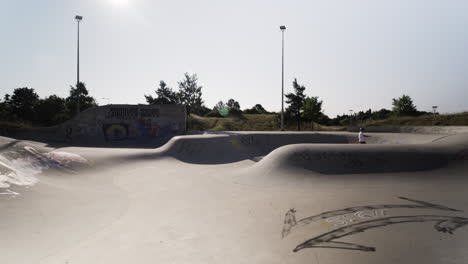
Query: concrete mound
[355,158]
[236,146]
[233,147]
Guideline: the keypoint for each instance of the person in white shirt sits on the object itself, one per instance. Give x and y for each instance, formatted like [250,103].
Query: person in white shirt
[361,136]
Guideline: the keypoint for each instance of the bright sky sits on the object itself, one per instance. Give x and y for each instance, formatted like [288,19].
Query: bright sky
[353,54]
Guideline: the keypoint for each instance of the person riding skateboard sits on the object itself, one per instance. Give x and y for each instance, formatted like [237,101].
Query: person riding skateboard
[361,136]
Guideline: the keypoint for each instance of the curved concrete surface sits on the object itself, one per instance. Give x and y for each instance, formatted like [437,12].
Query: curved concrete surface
[238,198]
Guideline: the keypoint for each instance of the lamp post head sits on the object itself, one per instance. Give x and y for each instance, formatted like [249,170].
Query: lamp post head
[283,28]
[78,18]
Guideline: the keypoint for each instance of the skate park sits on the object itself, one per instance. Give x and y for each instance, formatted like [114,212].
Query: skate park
[269,132]
[245,197]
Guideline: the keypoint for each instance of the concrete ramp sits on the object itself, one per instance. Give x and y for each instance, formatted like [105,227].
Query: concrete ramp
[238,197]
[230,147]
[369,158]
[352,159]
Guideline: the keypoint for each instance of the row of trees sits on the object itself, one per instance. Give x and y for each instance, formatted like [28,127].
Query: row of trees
[232,108]
[309,109]
[301,108]
[190,94]
[24,105]
[402,106]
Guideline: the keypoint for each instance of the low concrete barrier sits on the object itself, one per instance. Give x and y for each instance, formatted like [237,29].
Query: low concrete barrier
[414,129]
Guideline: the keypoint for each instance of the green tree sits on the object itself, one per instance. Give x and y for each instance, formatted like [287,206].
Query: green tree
[190,94]
[381,114]
[231,103]
[23,102]
[5,109]
[165,95]
[259,108]
[312,109]
[233,107]
[255,110]
[219,110]
[296,101]
[220,105]
[52,110]
[203,111]
[404,106]
[86,101]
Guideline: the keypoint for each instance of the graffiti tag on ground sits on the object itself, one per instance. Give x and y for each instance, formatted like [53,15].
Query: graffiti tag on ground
[353,220]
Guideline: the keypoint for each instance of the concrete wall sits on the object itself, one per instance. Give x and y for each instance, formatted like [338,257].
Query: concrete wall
[415,129]
[125,123]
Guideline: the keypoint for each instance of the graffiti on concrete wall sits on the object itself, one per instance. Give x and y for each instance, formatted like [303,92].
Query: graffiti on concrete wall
[147,128]
[80,130]
[85,130]
[69,133]
[115,132]
[175,126]
[138,123]
[127,122]
[125,113]
[149,112]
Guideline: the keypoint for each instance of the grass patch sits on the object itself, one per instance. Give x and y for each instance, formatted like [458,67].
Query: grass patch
[271,122]
[458,119]
[238,123]
[247,122]
[7,124]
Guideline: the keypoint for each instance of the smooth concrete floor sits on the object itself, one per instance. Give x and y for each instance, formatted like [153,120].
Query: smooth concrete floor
[132,206]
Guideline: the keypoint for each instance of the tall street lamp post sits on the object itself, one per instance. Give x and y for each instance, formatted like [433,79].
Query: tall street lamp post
[434,112]
[283,28]
[78,20]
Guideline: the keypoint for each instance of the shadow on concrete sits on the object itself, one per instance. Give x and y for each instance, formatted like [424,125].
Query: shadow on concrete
[363,159]
[132,145]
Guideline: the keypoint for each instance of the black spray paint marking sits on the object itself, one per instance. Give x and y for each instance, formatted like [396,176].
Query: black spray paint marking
[446,224]
[346,219]
[289,222]
[418,205]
